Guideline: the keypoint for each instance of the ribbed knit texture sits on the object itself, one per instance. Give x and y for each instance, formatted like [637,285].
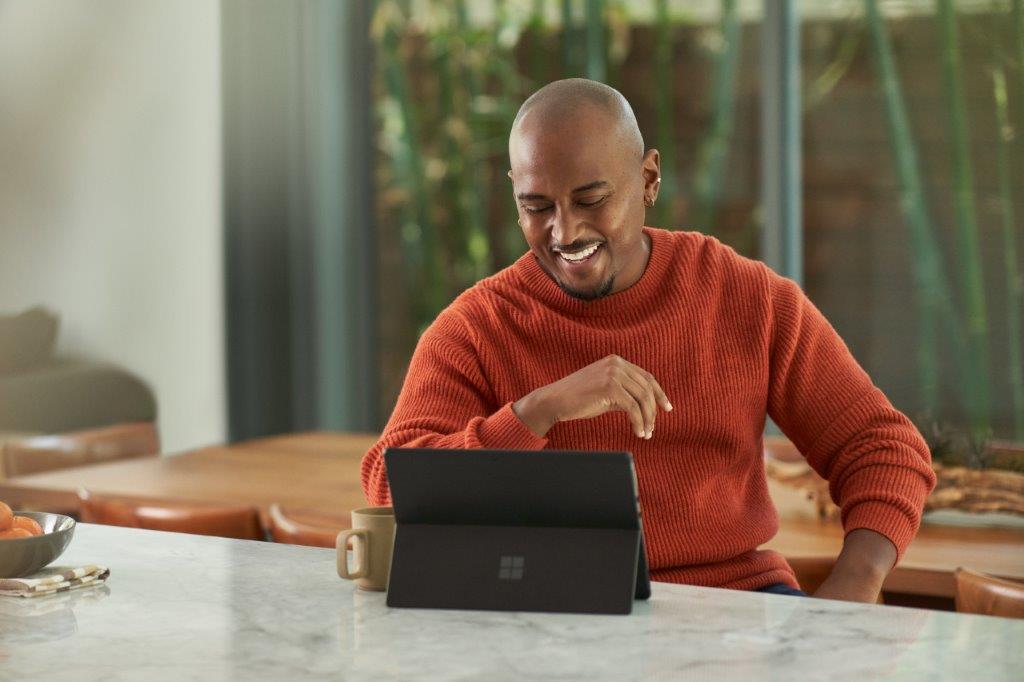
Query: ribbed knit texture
[729,341]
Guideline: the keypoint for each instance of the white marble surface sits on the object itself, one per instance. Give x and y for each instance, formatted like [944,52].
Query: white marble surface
[180,607]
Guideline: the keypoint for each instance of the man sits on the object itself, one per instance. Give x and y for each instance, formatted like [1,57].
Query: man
[608,335]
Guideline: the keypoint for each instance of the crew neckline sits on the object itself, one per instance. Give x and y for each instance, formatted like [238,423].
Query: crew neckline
[544,288]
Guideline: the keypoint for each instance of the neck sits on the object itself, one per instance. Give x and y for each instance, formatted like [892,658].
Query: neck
[634,270]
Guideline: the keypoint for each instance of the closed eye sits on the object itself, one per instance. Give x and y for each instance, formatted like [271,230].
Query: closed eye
[591,203]
[535,209]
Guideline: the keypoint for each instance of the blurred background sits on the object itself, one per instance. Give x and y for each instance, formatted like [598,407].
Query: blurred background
[236,218]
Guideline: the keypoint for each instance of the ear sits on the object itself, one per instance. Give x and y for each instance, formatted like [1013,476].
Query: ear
[650,169]
[509,174]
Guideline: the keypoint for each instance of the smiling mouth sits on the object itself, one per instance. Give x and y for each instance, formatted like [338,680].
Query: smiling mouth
[581,255]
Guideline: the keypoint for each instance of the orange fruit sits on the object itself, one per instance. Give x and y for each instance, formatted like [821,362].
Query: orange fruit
[14,533]
[28,524]
[6,516]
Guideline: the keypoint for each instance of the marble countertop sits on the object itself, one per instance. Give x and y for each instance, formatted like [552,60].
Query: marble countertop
[186,607]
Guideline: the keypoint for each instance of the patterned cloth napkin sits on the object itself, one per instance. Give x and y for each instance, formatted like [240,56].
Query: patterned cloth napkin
[54,579]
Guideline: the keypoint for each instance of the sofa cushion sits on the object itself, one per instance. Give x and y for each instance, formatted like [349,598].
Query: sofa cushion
[27,339]
[70,395]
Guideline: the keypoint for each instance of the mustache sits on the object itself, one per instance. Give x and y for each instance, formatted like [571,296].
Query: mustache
[577,245]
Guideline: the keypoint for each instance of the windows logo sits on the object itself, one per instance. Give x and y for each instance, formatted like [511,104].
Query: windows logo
[511,568]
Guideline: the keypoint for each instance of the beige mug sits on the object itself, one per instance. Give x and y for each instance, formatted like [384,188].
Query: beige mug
[372,535]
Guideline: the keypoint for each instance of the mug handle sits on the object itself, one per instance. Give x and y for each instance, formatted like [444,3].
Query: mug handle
[360,538]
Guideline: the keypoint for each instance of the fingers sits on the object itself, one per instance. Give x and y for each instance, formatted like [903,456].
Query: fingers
[635,391]
[651,388]
[659,394]
[625,401]
[642,392]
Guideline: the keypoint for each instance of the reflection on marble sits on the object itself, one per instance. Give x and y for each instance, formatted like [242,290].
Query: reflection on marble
[187,607]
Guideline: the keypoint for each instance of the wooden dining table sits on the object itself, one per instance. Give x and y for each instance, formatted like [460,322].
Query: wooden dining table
[318,473]
[310,473]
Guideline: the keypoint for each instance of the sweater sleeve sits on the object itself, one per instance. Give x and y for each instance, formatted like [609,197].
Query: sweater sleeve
[877,464]
[445,402]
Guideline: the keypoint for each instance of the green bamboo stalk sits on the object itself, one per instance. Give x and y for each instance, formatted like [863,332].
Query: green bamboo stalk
[506,239]
[568,40]
[615,11]
[537,56]
[453,231]
[420,242]
[597,65]
[1014,278]
[972,284]
[712,156]
[1017,17]
[475,185]
[473,80]
[929,272]
[665,121]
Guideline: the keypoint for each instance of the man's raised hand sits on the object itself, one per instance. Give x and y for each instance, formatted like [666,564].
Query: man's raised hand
[608,385]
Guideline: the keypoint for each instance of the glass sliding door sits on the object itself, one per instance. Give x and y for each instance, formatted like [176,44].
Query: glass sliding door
[913,164]
[449,77]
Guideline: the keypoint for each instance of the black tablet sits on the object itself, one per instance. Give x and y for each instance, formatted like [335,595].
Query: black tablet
[536,530]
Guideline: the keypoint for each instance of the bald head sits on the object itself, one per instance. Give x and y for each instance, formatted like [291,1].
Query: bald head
[560,105]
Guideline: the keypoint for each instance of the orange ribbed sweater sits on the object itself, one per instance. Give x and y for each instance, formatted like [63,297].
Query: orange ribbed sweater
[730,341]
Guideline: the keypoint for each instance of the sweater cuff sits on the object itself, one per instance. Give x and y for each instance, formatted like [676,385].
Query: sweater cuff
[884,519]
[503,430]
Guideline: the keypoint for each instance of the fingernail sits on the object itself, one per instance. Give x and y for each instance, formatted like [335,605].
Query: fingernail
[669,408]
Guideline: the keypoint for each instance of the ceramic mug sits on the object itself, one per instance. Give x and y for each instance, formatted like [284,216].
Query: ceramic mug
[372,536]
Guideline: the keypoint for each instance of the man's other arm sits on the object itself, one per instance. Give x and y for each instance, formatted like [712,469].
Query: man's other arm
[876,462]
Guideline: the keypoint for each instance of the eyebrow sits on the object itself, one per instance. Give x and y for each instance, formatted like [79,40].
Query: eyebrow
[597,184]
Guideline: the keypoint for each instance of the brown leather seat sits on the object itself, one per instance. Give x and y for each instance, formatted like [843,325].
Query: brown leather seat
[304,528]
[60,451]
[811,572]
[987,595]
[226,521]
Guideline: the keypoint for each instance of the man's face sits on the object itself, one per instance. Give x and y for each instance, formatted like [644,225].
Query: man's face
[579,188]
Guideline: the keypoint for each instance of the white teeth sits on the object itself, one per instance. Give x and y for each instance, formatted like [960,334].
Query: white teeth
[579,255]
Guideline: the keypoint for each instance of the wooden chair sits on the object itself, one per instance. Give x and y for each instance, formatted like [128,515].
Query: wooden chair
[987,595]
[60,451]
[811,572]
[299,528]
[226,521]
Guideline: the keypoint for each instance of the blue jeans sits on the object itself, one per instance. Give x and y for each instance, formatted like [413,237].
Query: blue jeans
[782,588]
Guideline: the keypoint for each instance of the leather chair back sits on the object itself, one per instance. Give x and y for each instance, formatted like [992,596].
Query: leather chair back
[227,521]
[297,528]
[46,453]
[987,595]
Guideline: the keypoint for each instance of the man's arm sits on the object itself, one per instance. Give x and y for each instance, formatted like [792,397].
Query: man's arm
[445,402]
[861,568]
[876,462]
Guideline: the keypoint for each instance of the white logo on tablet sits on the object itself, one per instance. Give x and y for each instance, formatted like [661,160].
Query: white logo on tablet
[511,568]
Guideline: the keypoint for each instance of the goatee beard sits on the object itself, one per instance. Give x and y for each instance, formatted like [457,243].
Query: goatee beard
[591,294]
